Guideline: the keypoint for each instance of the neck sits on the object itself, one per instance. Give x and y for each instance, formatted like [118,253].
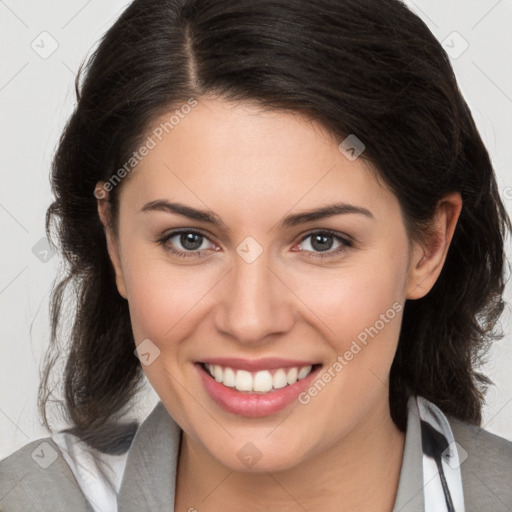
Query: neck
[358,473]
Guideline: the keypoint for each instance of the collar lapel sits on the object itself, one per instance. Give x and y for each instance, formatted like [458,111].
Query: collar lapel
[409,496]
[149,479]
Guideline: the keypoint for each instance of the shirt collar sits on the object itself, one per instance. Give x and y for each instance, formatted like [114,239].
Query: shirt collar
[409,496]
[149,477]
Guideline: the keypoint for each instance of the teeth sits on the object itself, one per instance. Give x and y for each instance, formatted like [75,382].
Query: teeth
[229,378]
[303,372]
[258,382]
[262,382]
[291,376]
[243,380]
[279,379]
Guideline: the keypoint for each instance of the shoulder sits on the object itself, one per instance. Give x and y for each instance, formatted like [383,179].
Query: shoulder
[36,477]
[486,467]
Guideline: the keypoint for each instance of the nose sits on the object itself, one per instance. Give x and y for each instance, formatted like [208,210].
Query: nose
[255,302]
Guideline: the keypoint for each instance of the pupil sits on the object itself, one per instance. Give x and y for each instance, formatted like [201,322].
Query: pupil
[323,245]
[187,240]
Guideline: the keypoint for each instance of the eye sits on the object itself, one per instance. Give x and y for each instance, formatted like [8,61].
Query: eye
[322,242]
[194,244]
[192,241]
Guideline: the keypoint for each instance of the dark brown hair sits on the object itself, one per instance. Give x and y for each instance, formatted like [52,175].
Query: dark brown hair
[366,67]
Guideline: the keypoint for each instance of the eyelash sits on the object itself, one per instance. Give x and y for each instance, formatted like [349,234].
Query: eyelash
[346,243]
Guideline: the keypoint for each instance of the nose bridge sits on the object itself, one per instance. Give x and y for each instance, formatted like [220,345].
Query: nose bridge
[255,302]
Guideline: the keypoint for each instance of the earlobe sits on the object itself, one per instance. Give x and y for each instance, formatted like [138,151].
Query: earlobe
[428,258]
[111,240]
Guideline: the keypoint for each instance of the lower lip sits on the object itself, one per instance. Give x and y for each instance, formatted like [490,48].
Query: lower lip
[253,404]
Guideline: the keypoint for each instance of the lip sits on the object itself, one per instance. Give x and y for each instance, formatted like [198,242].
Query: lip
[254,365]
[254,404]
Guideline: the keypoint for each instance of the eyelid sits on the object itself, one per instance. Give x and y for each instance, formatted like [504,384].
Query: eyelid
[336,234]
[178,231]
[346,241]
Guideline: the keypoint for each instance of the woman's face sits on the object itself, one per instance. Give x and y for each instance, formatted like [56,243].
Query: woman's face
[263,288]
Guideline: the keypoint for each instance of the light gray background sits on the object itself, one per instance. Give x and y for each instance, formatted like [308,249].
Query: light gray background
[36,98]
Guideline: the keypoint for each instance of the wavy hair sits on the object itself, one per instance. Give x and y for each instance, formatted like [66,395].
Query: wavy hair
[365,67]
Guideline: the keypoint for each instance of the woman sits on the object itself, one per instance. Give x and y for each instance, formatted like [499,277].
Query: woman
[281,214]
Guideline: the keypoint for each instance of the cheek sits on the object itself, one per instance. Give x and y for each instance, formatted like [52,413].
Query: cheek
[166,306]
[164,298]
[359,312]
[355,298]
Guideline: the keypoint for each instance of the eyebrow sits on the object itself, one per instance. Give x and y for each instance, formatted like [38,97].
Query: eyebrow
[289,221]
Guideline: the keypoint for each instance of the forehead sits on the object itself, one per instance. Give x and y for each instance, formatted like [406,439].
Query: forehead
[237,156]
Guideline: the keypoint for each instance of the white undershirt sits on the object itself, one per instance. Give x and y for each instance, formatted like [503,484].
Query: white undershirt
[84,463]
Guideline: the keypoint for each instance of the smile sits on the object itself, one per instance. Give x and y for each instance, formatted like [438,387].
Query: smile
[260,388]
[262,381]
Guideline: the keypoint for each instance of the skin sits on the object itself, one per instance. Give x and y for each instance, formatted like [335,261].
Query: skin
[251,168]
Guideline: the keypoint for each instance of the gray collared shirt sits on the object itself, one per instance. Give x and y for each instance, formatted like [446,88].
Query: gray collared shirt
[150,473]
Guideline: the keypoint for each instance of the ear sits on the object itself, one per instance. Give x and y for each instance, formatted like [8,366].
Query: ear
[111,237]
[428,257]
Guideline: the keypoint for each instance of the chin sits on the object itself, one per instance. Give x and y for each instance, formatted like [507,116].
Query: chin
[258,456]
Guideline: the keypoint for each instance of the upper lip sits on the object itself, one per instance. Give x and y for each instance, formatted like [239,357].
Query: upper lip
[268,363]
